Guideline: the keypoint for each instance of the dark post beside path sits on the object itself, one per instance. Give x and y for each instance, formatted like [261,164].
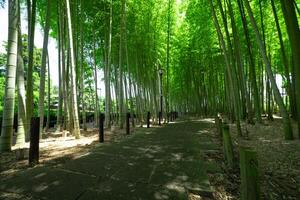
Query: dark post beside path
[172,116]
[161,97]
[128,123]
[101,128]
[218,123]
[0,125]
[34,141]
[227,146]
[249,174]
[148,120]
[159,118]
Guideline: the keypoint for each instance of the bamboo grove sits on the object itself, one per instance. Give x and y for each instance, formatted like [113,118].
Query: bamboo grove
[216,56]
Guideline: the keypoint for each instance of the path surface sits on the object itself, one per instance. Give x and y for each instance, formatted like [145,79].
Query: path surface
[155,163]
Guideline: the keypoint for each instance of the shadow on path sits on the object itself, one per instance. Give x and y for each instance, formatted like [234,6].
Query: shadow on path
[160,163]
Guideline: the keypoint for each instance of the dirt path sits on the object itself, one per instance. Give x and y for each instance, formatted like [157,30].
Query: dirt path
[157,163]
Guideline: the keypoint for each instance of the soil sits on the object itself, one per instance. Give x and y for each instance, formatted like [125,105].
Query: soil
[56,149]
[279,161]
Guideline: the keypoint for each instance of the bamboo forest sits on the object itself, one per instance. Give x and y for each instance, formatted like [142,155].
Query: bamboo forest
[150,99]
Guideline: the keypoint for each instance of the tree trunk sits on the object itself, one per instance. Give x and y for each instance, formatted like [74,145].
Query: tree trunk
[64,73]
[29,90]
[10,78]
[240,67]
[82,87]
[48,95]
[290,92]
[43,67]
[96,112]
[60,79]
[252,71]
[229,70]
[121,48]
[286,119]
[20,140]
[107,73]
[76,130]
[294,36]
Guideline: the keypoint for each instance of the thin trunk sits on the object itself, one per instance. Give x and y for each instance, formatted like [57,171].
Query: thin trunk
[82,87]
[60,79]
[76,130]
[48,95]
[108,104]
[286,119]
[69,91]
[64,73]
[294,36]
[96,112]
[285,63]
[252,71]
[121,50]
[20,140]
[168,59]
[29,90]
[240,66]
[10,78]
[43,67]
[229,66]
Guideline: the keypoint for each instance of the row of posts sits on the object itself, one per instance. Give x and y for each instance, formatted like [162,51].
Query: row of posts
[248,162]
[35,136]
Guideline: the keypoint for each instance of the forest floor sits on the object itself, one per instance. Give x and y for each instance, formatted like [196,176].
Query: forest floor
[156,163]
[279,159]
[56,149]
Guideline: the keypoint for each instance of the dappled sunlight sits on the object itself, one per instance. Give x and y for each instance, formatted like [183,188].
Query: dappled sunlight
[264,140]
[81,155]
[176,186]
[40,188]
[148,155]
[161,195]
[204,131]
[177,156]
[166,162]
[180,186]
[207,120]
[40,175]
[276,116]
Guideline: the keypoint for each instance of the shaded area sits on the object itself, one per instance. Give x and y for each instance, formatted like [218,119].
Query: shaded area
[161,163]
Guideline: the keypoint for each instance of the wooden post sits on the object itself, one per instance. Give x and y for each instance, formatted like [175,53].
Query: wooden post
[227,146]
[159,118]
[133,119]
[249,174]
[0,125]
[127,124]
[101,128]
[34,141]
[218,122]
[148,120]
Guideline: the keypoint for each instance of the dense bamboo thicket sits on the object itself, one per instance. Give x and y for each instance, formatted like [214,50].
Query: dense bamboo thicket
[240,58]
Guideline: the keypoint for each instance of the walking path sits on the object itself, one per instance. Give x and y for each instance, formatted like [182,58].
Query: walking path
[155,163]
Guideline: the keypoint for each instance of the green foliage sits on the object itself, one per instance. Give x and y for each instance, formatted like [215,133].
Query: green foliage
[196,67]
[36,73]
